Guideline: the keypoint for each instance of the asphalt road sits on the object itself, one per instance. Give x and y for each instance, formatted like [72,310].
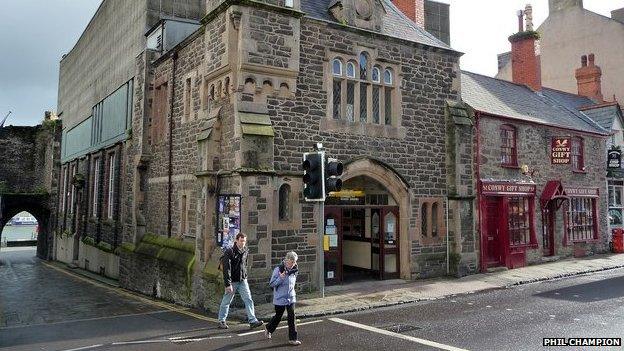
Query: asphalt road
[510,319]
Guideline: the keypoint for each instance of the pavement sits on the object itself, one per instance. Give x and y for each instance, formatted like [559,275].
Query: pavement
[375,294]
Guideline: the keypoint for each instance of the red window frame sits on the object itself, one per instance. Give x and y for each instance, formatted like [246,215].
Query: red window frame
[577,154]
[581,220]
[520,221]
[509,151]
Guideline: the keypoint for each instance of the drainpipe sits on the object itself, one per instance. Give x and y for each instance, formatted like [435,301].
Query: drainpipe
[448,269]
[170,175]
[478,207]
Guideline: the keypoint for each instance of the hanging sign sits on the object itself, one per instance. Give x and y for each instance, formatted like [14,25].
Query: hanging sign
[560,151]
[614,159]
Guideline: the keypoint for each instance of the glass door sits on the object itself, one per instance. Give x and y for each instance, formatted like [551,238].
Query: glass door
[376,242]
[389,243]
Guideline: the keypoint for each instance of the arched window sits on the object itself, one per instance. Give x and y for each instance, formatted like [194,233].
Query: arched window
[284,202]
[376,75]
[226,86]
[434,220]
[509,154]
[337,67]
[388,78]
[363,65]
[351,70]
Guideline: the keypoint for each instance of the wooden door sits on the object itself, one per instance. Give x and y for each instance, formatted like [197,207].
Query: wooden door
[389,243]
[333,256]
[493,235]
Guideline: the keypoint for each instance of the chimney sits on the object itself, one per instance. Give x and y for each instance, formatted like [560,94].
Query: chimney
[559,5]
[414,9]
[588,79]
[618,15]
[525,65]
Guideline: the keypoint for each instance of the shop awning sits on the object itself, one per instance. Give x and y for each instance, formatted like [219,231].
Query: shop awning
[552,191]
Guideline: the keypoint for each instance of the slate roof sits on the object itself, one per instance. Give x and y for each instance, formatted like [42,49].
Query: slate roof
[394,23]
[503,98]
[604,115]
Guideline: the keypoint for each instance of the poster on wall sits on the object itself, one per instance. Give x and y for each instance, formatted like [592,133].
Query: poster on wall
[228,219]
[560,151]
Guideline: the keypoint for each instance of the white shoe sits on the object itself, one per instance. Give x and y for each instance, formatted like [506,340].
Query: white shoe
[267,334]
[294,342]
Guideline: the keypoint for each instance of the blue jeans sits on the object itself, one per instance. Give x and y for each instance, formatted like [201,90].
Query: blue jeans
[243,290]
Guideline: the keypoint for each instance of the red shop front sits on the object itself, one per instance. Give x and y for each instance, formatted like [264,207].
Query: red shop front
[507,223]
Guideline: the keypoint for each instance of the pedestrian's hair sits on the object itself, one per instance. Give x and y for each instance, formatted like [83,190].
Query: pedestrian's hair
[292,256]
[241,235]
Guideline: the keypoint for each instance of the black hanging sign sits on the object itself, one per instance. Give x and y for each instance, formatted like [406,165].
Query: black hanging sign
[614,159]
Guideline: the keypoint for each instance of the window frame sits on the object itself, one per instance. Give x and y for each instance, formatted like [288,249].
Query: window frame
[95,187]
[577,159]
[512,153]
[339,61]
[284,207]
[527,219]
[110,193]
[570,215]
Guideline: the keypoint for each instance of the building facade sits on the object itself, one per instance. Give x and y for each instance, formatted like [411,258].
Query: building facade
[224,119]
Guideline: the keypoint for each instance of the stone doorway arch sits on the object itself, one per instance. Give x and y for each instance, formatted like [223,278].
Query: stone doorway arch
[399,189]
[38,206]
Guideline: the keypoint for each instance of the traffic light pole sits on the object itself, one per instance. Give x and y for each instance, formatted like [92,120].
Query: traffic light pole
[320,249]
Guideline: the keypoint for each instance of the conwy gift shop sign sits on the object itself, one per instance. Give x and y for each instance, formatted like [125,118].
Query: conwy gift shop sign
[560,151]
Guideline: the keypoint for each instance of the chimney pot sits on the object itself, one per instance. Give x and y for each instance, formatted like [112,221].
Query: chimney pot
[584,61]
[591,59]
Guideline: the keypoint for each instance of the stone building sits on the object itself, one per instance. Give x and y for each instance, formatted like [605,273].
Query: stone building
[221,122]
[95,103]
[569,32]
[540,167]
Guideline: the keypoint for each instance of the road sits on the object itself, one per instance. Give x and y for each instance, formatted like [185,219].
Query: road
[43,307]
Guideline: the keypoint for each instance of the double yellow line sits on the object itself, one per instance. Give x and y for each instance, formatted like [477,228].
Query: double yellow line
[164,305]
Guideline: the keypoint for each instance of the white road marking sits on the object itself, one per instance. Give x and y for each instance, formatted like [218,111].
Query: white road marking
[85,347]
[576,319]
[139,342]
[282,327]
[488,306]
[397,335]
[508,309]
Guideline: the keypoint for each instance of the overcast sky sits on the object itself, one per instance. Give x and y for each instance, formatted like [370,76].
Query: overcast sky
[34,34]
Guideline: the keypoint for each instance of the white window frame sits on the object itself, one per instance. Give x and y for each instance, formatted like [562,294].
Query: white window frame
[339,74]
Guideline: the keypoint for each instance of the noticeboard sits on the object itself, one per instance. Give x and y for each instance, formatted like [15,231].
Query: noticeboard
[228,219]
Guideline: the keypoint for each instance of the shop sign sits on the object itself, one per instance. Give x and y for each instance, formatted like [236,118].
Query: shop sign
[581,192]
[507,188]
[560,151]
[614,159]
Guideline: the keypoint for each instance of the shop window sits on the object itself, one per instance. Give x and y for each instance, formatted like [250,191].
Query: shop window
[616,192]
[95,191]
[353,222]
[365,95]
[390,228]
[577,155]
[509,154]
[284,202]
[581,219]
[519,221]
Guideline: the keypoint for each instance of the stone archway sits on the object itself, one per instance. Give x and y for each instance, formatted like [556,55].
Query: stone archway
[399,189]
[38,206]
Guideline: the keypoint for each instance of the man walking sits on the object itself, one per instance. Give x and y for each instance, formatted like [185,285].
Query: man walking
[235,279]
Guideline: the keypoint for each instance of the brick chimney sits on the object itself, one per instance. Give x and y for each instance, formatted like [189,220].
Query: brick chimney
[525,64]
[588,79]
[414,9]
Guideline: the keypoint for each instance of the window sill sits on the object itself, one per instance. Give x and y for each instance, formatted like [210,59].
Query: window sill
[524,246]
[510,166]
[372,130]
[579,171]
[587,241]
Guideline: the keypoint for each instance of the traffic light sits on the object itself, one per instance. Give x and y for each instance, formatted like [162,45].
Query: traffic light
[333,170]
[314,176]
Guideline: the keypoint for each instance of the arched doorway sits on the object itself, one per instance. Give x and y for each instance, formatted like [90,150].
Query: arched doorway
[367,237]
[12,205]
[20,231]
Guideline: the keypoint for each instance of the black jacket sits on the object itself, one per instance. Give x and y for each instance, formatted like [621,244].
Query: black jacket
[234,265]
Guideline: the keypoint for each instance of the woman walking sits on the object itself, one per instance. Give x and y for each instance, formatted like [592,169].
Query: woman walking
[283,283]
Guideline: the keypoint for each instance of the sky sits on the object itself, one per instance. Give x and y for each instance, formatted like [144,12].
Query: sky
[34,34]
